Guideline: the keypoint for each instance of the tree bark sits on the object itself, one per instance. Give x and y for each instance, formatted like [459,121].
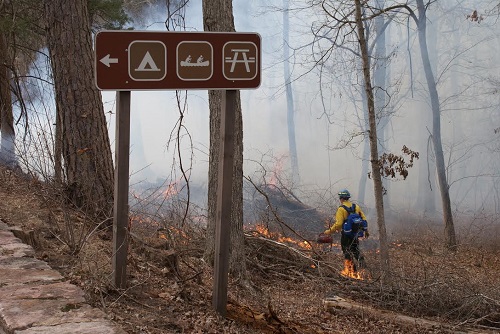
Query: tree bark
[292,144]
[58,168]
[86,150]
[218,16]
[449,227]
[7,143]
[376,175]
[380,64]
[427,188]
[366,151]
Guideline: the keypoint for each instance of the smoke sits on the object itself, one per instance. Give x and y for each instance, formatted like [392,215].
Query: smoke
[329,113]
[7,150]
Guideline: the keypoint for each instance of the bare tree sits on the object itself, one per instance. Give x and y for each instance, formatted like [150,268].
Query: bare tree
[292,145]
[346,30]
[421,22]
[374,157]
[378,61]
[420,18]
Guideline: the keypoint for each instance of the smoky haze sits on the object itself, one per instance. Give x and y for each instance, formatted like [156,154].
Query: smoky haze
[329,119]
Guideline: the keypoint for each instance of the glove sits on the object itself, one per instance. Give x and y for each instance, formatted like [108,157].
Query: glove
[324,238]
[367,234]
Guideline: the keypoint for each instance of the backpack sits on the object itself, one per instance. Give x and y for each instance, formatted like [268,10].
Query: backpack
[354,225]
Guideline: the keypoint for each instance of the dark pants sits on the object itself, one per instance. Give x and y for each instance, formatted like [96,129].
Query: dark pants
[350,248]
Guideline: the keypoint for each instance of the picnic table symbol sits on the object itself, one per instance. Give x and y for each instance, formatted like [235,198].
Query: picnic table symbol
[234,60]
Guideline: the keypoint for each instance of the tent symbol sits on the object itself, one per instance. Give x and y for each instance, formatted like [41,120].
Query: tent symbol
[147,64]
[147,60]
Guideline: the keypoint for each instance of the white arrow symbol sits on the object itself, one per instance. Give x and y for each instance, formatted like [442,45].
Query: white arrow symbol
[108,60]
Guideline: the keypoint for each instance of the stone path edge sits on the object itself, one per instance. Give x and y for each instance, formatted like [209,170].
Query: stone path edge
[35,299]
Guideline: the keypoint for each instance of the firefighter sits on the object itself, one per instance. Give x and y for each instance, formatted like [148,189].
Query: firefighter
[350,234]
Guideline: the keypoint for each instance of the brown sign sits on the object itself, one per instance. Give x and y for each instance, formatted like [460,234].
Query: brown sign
[143,60]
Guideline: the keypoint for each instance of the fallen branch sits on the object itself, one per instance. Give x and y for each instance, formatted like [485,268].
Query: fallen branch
[280,244]
[336,303]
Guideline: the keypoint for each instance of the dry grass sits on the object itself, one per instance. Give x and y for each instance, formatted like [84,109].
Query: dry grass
[170,286]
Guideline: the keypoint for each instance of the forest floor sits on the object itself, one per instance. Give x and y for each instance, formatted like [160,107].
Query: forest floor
[170,286]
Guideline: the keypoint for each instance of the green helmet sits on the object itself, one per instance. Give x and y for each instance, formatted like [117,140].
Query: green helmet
[344,194]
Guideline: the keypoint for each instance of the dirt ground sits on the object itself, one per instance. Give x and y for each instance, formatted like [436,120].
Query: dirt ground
[170,286]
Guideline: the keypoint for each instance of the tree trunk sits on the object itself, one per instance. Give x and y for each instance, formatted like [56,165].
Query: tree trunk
[58,168]
[380,89]
[426,199]
[7,143]
[366,152]
[451,241]
[218,16]
[427,188]
[364,171]
[377,178]
[86,150]
[292,145]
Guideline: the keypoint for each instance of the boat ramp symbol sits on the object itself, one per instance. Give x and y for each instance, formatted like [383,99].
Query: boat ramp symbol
[199,62]
[194,60]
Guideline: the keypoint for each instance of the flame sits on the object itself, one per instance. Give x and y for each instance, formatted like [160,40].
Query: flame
[349,271]
[137,219]
[264,231]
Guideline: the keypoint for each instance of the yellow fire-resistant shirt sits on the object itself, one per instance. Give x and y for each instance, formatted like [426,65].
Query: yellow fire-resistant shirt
[341,216]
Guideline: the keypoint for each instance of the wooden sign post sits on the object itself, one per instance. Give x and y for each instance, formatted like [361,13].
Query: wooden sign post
[120,211]
[224,201]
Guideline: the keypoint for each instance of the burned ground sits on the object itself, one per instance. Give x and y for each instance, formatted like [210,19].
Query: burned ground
[282,212]
[170,286]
